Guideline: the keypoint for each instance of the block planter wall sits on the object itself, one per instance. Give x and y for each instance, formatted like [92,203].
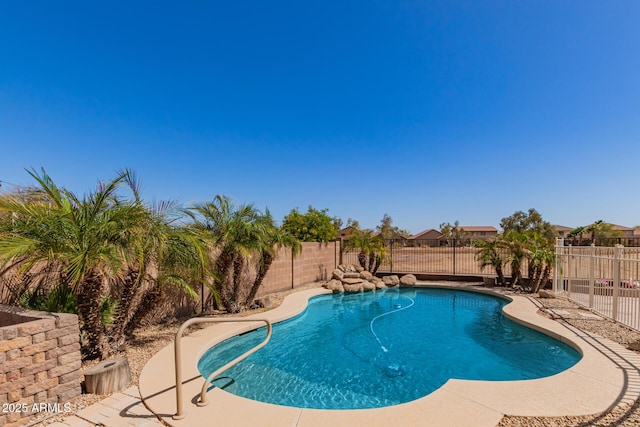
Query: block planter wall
[39,362]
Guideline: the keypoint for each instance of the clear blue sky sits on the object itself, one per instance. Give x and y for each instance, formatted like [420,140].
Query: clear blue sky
[429,111]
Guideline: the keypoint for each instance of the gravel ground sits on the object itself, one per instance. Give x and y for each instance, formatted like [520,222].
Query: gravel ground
[148,341]
[624,416]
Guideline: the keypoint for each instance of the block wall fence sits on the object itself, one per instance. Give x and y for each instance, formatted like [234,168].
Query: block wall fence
[39,362]
[315,262]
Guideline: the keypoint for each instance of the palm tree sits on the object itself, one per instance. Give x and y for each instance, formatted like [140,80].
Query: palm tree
[541,256]
[236,234]
[596,229]
[85,240]
[489,256]
[546,257]
[275,238]
[162,254]
[371,249]
[516,243]
[113,254]
[578,232]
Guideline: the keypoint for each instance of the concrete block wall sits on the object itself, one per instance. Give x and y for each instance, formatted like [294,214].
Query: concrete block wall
[39,362]
[315,262]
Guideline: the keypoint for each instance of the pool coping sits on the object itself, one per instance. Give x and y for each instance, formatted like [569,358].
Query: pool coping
[607,376]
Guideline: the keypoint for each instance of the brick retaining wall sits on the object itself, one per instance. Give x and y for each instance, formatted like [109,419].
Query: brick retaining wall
[39,362]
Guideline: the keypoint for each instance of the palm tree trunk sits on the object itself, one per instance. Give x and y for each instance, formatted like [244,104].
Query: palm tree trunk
[362,260]
[223,264]
[545,278]
[376,265]
[89,297]
[238,266]
[500,275]
[516,274]
[150,300]
[263,269]
[130,299]
[372,261]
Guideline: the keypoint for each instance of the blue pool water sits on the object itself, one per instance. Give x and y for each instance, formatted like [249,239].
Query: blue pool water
[385,348]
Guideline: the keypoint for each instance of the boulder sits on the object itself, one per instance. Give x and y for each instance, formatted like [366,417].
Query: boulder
[359,268]
[352,281]
[342,267]
[391,281]
[408,280]
[351,275]
[334,285]
[337,274]
[377,281]
[353,288]
[379,285]
[338,288]
[366,275]
[546,294]
[264,302]
[368,286]
[635,346]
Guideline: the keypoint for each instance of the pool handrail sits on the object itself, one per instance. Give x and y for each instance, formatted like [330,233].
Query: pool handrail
[180,414]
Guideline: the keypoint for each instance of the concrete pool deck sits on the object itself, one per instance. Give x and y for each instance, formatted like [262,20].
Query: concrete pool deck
[608,375]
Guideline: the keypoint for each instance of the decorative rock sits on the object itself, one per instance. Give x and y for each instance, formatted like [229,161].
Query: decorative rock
[353,288]
[342,268]
[359,268]
[366,275]
[391,280]
[351,275]
[546,294]
[368,286]
[351,281]
[108,377]
[408,280]
[635,346]
[380,285]
[334,285]
[337,274]
[377,281]
[264,302]
[337,288]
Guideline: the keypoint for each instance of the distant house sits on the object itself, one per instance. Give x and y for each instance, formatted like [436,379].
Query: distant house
[479,232]
[346,232]
[625,231]
[562,231]
[430,237]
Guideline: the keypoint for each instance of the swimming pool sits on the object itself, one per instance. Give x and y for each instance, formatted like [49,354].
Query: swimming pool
[385,348]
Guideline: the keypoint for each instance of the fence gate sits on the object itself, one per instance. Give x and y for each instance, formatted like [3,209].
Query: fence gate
[604,279]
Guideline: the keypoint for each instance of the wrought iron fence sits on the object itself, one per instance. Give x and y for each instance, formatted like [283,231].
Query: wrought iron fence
[604,279]
[633,242]
[431,256]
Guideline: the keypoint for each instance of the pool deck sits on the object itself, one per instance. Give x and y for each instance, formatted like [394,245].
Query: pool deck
[608,375]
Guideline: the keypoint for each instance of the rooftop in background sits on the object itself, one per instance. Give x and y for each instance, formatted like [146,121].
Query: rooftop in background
[474,228]
[430,233]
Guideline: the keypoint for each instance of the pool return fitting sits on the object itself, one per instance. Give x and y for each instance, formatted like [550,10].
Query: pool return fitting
[180,414]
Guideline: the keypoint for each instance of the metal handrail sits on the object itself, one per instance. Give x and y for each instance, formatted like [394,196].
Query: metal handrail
[178,358]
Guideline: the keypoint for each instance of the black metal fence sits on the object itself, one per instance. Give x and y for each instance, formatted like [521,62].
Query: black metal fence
[456,256]
[430,256]
[630,242]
